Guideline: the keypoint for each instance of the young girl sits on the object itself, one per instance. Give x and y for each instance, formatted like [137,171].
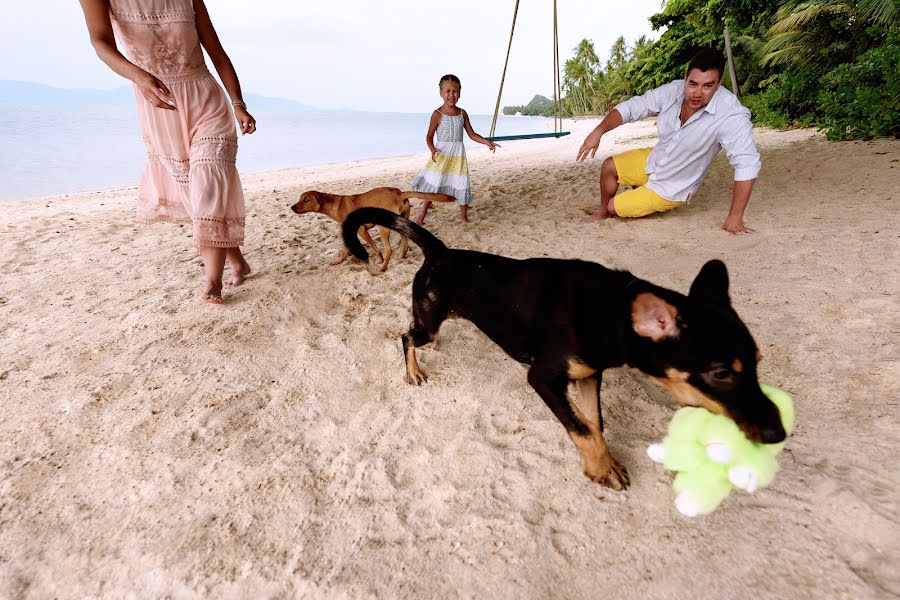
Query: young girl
[448,172]
[187,122]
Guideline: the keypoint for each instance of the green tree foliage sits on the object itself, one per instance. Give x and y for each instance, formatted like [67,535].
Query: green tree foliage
[828,63]
[862,99]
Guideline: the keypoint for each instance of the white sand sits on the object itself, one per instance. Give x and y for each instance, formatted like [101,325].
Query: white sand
[155,446]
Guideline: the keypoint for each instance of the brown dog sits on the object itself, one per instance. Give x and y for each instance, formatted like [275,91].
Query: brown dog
[338,207]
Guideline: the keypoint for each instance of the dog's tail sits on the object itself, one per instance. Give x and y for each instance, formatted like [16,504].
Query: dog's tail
[378,216]
[427,196]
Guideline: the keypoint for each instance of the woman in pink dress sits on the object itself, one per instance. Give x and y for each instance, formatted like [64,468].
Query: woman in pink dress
[186,119]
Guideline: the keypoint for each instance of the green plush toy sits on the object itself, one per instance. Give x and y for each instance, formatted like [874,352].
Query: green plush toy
[711,455]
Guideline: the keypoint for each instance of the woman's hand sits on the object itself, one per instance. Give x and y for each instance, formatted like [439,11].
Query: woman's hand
[434,153]
[245,120]
[155,91]
[492,145]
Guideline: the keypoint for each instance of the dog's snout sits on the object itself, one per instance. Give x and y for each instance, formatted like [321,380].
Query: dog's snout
[772,435]
[293,207]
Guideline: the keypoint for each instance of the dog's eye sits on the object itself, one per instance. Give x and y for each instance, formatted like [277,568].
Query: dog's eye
[722,374]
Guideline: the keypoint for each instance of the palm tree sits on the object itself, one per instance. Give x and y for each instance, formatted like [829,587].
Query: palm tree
[618,54]
[574,77]
[808,31]
[580,73]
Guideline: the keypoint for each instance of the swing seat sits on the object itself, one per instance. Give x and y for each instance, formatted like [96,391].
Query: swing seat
[526,136]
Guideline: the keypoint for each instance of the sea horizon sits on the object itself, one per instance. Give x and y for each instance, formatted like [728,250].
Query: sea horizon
[55,141]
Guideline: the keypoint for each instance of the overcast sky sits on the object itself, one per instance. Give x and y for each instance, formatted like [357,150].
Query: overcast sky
[382,55]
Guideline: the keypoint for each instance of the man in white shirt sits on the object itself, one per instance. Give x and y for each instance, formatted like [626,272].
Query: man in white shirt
[696,117]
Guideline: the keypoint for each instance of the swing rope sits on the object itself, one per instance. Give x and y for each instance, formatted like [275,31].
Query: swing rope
[503,77]
[557,89]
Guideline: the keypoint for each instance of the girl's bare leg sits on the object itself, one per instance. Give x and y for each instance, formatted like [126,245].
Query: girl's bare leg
[423,210]
[464,212]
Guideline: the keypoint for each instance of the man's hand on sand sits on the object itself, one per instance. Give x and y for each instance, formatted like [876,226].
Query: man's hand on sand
[589,146]
[735,225]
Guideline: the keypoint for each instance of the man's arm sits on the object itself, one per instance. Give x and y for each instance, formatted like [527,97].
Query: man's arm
[740,196]
[740,148]
[592,141]
[633,109]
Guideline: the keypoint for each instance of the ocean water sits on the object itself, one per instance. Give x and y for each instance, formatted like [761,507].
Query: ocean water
[47,149]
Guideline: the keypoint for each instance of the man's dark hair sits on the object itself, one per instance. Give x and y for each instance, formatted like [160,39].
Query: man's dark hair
[707,60]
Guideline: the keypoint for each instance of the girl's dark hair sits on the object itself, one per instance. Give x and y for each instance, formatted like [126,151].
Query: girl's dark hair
[450,77]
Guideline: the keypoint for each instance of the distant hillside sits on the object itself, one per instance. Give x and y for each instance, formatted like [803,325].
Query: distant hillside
[37,94]
[540,106]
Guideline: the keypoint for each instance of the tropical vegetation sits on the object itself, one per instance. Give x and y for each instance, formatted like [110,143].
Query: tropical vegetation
[834,64]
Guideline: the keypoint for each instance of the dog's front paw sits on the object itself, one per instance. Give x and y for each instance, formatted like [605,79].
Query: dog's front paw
[416,377]
[616,477]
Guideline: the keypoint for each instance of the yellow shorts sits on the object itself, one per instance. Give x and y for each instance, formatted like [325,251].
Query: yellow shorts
[640,201]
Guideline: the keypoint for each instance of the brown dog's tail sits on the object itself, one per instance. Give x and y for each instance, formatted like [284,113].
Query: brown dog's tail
[378,216]
[427,196]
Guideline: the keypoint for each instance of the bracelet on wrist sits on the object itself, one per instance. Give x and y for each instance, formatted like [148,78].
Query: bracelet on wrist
[240,103]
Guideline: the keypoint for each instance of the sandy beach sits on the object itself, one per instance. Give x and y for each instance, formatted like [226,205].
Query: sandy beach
[153,446]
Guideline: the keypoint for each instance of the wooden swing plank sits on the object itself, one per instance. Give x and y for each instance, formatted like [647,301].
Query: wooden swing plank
[526,136]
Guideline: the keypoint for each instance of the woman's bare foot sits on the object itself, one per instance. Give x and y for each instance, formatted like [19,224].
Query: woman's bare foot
[213,294]
[419,219]
[240,268]
[238,274]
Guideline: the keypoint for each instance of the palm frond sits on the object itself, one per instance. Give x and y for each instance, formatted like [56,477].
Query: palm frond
[881,12]
[806,15]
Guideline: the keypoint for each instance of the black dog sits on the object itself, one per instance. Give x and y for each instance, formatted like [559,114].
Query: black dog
[570,319]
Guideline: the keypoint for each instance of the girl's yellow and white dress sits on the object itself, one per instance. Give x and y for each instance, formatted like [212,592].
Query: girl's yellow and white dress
[448,173]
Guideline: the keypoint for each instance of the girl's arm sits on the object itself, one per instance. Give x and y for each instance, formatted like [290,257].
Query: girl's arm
[210,41]
[432,127]
[96,15]
[475,136]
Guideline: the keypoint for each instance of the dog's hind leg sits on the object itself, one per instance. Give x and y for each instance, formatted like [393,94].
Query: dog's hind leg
[550,383]
[364,233]
[385,234]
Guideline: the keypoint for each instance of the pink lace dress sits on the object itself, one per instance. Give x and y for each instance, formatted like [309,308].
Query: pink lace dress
[190,175]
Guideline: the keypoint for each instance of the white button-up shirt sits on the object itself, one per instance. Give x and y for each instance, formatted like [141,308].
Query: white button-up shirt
[684,153]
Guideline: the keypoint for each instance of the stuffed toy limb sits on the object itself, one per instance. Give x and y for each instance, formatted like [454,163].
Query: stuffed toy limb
[711,455]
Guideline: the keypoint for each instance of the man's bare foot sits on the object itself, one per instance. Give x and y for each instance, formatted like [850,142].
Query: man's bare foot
[239,273]
[599,215]
[213,294]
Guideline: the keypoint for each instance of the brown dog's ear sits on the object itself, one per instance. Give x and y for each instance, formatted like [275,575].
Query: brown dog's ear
[654,318]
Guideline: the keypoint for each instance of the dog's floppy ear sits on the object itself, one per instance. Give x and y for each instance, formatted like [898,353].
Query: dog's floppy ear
[654,318]
[711,285]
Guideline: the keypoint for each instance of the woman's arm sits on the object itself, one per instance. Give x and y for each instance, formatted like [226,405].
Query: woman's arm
[474,136]
[96,15]
[210,41]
